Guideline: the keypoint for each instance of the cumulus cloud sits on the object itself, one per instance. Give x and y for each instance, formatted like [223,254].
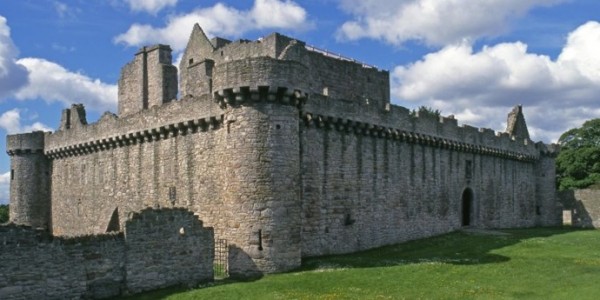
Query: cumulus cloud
[35,78]
[219,19]
[52,82]
[12,75]
[475,85]
[432,22]
[150,6]
[11,122]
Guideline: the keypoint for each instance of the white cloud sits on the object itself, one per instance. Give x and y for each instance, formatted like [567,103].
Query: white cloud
[150,6]
[35,78]
[52,82]
[434,22]
[11,122]
[219,19]
[12,75]
[4,187]
[557,94]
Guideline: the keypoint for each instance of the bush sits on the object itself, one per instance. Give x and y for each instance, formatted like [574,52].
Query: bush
[3,213]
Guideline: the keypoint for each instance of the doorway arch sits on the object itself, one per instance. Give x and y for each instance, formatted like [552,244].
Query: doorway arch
[467,207]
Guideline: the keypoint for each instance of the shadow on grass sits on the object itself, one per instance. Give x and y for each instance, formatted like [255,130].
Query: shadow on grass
[465,247]
[170,291]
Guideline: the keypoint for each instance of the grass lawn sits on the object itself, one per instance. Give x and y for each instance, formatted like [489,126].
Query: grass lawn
[543,263]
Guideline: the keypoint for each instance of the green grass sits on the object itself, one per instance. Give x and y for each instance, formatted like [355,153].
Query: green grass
[542,263]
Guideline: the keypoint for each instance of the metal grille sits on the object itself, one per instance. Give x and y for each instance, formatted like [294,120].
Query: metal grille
[221,257]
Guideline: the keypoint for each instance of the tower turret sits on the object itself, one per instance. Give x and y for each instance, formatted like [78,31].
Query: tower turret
[29,180]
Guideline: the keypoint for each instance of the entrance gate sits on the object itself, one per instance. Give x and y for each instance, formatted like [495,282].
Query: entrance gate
[221,267]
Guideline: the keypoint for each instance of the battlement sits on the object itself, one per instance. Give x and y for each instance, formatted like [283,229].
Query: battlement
[31,142]
[188,115]
[400,123]
[210,66]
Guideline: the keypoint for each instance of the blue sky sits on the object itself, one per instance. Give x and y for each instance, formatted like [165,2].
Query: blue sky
[471,59]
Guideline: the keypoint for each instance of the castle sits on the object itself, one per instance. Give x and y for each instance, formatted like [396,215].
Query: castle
[285,150]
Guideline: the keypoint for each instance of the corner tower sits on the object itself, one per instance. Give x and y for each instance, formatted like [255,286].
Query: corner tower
[29,180]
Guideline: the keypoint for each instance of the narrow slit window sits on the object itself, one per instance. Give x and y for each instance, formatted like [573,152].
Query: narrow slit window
[468,169]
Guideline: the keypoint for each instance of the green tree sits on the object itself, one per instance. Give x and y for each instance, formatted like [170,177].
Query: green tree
[3,213]
[578,163]
[425,110]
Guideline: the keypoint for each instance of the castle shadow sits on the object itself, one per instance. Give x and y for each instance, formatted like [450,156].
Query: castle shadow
[463,247]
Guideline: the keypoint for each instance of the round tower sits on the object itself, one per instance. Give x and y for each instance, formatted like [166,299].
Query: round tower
[29,180]
[261,97]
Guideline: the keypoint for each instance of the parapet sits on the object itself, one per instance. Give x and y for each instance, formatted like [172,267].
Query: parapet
[398,123]
[32,142]
[210,66]
[252,76]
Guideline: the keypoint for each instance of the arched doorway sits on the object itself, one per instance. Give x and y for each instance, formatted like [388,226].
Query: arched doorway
[467,206]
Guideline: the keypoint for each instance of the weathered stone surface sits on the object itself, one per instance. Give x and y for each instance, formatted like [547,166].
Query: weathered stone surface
[584,206]
[36,265]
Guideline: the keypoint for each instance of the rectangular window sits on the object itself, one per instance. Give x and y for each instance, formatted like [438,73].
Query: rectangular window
[12,174]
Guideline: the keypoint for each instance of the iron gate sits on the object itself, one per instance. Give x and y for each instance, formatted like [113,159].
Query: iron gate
[221,256]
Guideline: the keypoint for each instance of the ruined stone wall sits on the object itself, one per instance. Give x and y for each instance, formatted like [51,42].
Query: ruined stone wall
[167,248]
[103,266]
[584,205]
[159,249]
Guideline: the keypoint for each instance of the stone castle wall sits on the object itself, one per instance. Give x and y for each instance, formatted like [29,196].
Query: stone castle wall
[374,176]
[158,248]
[584,205]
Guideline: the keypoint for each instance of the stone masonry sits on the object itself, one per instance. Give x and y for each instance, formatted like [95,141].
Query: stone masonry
[285,150]
[583,205]
[157,248]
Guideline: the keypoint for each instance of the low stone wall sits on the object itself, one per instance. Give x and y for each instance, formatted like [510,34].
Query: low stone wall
[160,248]
[584,206]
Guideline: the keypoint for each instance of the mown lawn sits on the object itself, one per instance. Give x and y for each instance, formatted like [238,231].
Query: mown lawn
[542,263]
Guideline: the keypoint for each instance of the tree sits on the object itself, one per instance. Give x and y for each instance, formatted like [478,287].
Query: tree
[3,213]
[578,163]
[425,111]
